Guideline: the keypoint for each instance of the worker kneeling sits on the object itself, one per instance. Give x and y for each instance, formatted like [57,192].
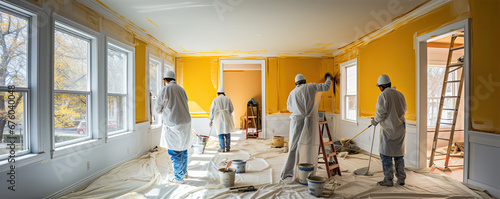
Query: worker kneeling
[391,108]
[172,103]
[221,117]
[304,139]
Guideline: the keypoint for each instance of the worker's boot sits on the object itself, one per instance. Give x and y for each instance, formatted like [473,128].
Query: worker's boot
[401,182]
[221,150]
[228,148]
[386,183]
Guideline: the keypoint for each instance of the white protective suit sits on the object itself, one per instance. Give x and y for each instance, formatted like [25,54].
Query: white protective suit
[172,103]
[304,132]
[391,108]
[221,113]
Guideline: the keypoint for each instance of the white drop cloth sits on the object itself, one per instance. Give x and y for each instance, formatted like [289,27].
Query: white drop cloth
[144,178]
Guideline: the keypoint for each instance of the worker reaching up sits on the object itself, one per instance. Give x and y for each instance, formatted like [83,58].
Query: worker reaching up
[391,108]
[172,103]
[304,139]
[221,117]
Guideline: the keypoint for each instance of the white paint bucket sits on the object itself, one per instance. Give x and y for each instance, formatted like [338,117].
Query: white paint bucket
[227,177]
[315,185]
[305,169]
[240,165]
[198,149]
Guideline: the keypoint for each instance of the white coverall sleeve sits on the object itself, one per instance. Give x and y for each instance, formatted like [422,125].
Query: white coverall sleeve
[231,108]
[289,102]
[160,102]
[381,112]
[323,87]
[212,109]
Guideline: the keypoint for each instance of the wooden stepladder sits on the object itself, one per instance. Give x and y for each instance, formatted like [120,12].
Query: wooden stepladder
[450,68]
[331,169]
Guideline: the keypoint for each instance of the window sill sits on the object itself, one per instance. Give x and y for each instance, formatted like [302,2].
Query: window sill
[20,161]
[350,121]
[73,148]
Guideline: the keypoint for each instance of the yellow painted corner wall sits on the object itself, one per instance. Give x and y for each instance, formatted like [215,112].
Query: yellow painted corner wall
[280,81]
[200,78]
[485,67]
[394,54]
[140,82]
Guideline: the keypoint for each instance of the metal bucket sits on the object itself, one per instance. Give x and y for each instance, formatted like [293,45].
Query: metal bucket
[305,169]
[227,177]
[240,165]
[315,185]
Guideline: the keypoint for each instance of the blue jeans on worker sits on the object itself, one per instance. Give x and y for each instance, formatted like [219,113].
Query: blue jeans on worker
[389,169]
[225,141]
[179,160]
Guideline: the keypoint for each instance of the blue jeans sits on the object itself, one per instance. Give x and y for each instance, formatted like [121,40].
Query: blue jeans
[225,141]
[179,160]
[389,169]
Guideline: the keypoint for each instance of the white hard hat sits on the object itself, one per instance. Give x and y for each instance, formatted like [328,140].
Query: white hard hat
[383,79]
[299,77]
[220,90]
[170,74]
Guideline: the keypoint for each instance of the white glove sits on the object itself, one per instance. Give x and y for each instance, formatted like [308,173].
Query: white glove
[374,123]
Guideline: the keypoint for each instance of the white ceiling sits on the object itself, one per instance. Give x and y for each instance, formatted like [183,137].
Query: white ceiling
[259,27]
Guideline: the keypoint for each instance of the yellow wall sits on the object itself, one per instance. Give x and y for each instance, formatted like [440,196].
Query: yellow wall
[140,82]
[199,77]
[485,69]
[394,54]
[280,80]
[241,86]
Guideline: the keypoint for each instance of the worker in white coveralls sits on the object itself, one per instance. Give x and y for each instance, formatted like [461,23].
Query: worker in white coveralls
[172,103]
[391,108]
[304,139]
[221,117]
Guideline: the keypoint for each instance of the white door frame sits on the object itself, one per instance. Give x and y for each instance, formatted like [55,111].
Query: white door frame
[263,78]
[421,53]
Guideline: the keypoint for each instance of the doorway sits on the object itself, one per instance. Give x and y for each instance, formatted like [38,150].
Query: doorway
[244,80]
[433,50]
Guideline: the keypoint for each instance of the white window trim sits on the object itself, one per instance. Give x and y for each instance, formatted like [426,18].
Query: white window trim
[37,59]
[160,74]
[64,148]
[343,88]
[130,122]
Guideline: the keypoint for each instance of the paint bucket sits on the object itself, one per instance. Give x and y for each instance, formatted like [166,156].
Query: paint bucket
[240,165]
[315,185]
[227,177]
[202,140]
[278,141]
[305,169]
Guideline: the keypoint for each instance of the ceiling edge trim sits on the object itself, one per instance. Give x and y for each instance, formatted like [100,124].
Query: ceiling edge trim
[137,31]
[399,22]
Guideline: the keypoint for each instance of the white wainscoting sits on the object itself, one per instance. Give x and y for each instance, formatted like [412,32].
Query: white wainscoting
[484,161]
[347,129]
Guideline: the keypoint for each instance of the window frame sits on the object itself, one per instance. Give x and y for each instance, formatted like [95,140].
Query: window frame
[343,81]
[160,75]
[72,28]
[111,43]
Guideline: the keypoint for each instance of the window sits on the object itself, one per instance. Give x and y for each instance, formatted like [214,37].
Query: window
[72,59]
[435,76]
[349,102]
[118,89]
[14,83]
[155,83]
